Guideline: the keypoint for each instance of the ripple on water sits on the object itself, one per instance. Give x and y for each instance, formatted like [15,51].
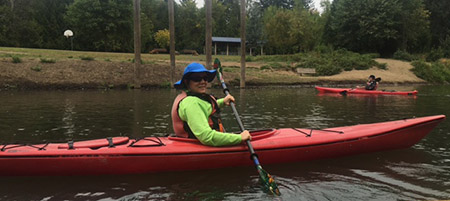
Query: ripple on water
[406,189]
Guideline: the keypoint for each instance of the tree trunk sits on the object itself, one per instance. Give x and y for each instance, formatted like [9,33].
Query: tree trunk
[137,43]
[12,5]
[243,18]
[172,41]
[208,35]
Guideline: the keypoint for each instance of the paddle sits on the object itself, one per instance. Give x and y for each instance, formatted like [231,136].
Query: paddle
[266,178]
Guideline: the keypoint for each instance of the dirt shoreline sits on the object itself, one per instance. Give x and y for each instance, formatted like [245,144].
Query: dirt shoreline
[80,74]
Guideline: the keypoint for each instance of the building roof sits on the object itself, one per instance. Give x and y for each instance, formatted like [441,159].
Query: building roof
[226,39]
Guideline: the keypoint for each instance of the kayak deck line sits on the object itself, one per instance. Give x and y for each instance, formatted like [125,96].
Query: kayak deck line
[312,129]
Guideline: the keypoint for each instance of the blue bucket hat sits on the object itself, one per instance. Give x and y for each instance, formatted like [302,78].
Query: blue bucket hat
[194,68]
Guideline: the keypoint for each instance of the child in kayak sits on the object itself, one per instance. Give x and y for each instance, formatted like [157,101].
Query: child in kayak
[372,83]
[196,114]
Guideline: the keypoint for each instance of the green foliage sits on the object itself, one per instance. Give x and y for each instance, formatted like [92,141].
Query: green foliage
[290,31]
[165,84]
[403,55]
[435,54]
[46,60]
[189,29]
[328,63]
[36,68]
[376,25]
[373,55]
[382,66]
[87,58]
[101,25]
[162,37]
[435,72]
[16,59]
[254,33]
[439,21]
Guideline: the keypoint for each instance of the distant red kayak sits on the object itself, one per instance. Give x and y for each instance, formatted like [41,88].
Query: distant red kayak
[362,91]
[121,155]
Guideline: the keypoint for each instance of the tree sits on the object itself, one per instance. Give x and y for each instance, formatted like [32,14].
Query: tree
[102,25]
[415,32]
[254,32]
[276,28]
[288,4]
[439,19]
[162,37]
[49,15]
[21,28]
[231,19]
[305,30]
[374,25]
[291,30]
[190,32]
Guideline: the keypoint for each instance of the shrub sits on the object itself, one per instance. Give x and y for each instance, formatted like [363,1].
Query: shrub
[436,72]
[435,54]
[373,55]
[381,66]
[36,68]
[403,55]
[16,59]
[324,60]
[87,58]
[45,60]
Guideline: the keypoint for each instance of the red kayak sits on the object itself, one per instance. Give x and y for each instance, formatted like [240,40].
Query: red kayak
[121,155]
[362,91]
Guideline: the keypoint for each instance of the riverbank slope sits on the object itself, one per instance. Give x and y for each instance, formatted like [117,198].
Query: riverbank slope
[65,69]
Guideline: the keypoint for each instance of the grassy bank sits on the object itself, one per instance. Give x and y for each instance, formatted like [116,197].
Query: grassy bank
[435,72]
[42,68]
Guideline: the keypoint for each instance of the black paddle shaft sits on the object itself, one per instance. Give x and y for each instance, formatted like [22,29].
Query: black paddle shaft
[238,119]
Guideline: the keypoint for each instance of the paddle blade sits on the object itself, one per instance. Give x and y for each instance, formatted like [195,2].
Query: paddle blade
[268,181]
[344,93]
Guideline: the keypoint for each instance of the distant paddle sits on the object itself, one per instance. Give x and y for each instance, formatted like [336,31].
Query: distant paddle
[266,178]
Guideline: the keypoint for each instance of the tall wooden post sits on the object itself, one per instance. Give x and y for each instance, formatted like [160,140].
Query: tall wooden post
[137,43]
[208,34]
[243,18]
[172,42]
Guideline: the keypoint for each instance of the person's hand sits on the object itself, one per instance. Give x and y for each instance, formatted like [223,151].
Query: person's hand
[245,135]
[228,99]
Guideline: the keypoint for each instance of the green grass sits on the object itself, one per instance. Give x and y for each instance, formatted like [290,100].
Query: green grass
[87,58]
[36,68]
[326,61]
[62,55]
[46,60]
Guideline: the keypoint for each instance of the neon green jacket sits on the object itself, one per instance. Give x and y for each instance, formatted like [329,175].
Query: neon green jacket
[195,112]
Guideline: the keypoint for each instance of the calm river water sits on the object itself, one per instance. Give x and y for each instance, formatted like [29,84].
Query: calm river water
[421,172]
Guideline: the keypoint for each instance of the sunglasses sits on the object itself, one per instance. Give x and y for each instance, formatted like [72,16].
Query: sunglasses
[198,78]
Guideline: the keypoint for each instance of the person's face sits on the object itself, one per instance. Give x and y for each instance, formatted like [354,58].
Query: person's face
[198,82]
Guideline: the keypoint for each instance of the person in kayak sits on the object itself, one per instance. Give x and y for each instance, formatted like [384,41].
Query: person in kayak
[196,114]
[372,83]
